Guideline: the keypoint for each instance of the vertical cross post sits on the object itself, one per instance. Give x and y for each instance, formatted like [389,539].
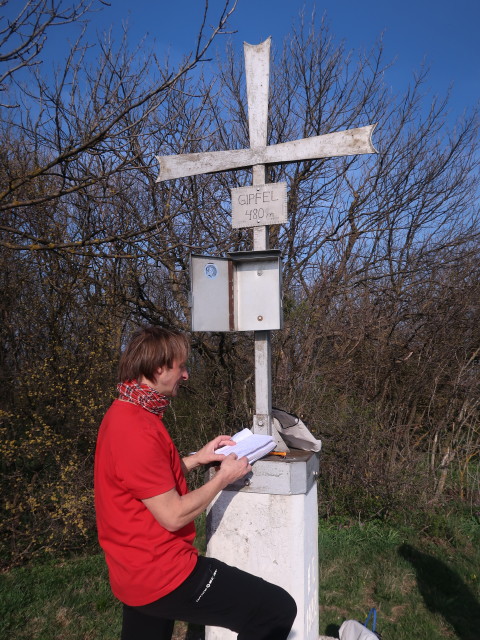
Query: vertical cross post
[341,143]
[257,69]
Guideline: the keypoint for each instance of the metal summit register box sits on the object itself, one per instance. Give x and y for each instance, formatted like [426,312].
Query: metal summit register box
[238,293]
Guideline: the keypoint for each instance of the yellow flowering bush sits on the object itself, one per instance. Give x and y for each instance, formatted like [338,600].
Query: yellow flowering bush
[47,489]
[47,452]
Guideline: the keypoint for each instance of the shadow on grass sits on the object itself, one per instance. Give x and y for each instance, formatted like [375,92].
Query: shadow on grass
[444,592]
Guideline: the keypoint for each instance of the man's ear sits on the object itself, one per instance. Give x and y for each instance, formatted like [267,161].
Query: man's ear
[158,372]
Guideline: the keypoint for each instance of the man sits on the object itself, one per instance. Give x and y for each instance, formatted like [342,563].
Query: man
[145,512]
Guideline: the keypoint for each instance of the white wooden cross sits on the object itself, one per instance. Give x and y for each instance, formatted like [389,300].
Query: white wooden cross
[341,143]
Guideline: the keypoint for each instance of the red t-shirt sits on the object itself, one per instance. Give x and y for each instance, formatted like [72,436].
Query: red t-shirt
[136,459]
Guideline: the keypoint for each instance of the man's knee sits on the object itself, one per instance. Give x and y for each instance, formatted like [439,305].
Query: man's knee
[283,607]
[289,607]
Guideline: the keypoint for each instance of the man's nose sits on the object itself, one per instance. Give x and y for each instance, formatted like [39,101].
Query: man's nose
[185,374]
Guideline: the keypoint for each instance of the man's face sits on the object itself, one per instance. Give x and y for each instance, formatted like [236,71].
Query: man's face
[167,381]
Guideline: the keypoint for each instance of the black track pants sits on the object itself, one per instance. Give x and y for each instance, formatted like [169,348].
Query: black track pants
[218,595]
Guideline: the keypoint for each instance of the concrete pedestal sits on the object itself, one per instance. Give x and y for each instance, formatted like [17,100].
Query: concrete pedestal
[269,527]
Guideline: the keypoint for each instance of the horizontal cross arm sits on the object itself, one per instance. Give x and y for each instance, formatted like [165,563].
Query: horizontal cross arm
[340,143]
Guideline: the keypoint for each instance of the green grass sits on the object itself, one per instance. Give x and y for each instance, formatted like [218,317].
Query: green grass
[424,585]
[65,599]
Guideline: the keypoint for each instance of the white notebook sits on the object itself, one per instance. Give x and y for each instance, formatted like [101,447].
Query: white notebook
[252,445]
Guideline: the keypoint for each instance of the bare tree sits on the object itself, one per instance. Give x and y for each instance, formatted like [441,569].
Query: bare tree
[381,338]
[74,131]
[23,36]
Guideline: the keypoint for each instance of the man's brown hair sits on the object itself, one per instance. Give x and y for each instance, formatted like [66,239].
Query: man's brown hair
[150,348]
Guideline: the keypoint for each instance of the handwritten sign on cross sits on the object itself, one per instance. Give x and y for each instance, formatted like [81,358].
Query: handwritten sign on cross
[341,143]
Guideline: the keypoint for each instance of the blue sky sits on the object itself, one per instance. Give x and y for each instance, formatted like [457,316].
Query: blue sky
[443,33]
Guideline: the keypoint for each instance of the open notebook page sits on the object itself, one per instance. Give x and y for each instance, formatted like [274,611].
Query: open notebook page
[252,445]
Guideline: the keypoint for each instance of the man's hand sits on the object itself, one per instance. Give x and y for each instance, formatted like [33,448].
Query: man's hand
[207,454]
[233,468]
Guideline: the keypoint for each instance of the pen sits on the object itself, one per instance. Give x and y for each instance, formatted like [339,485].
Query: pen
[278,453]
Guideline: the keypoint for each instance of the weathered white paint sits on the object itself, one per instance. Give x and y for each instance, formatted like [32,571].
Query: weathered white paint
[274,537]
[340,143]
[263,383]
[257,72]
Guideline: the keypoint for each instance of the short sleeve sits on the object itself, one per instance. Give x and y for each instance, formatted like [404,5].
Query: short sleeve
[143,461]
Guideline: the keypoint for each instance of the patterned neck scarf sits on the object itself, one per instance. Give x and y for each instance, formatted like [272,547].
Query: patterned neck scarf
[143,396]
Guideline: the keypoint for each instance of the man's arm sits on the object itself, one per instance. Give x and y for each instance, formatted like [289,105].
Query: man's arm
[174,511]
